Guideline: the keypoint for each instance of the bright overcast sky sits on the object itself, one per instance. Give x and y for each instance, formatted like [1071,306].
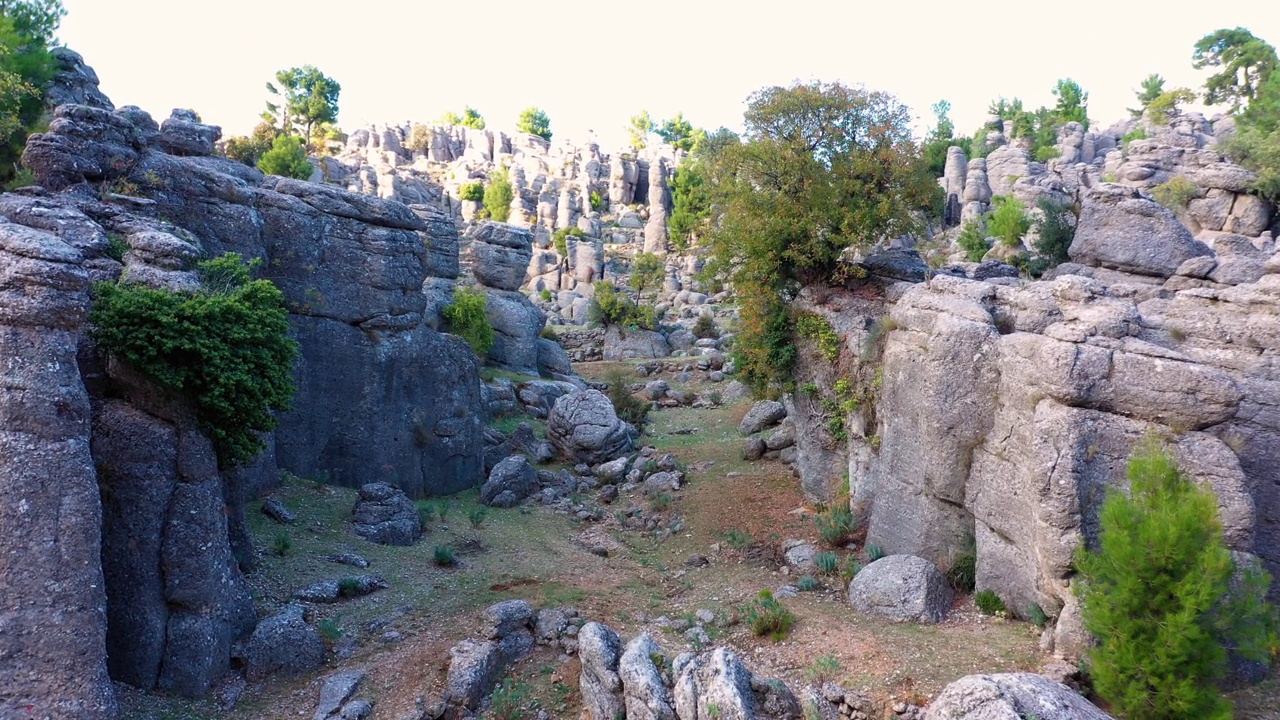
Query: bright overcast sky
[592,64]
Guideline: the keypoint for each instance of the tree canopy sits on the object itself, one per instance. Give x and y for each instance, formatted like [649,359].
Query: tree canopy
[638,128]
[535,122]
[470,117]
[822,168]
[1073,102]
[1152,87]
[680,133]
[27,30]
[1245,62]
[306,97]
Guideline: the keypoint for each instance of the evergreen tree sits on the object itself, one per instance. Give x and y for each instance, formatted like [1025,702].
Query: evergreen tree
[286,158]
[1155,593]
[1152,88]
[1073,103]
[535,122]
[1245,61]
[307,97]
[498,195]
[638,129]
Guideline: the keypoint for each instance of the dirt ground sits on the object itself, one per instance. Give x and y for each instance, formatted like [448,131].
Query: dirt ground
[401,636]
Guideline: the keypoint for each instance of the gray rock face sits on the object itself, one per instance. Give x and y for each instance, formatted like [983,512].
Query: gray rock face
[501,254]
[584,428]
[385,515]
[511,481]
[764,414]
[713,686]
[336,690]
[600,650]
[517,323]
[352,269]
[903,588]
[507,617]
[625,344]
[283,643]
[184,134]
[1010,695]
[53,603]
[475,665]
[644,694]
[75,83]
[1121,230]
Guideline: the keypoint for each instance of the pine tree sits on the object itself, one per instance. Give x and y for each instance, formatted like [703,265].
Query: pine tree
[1155,593]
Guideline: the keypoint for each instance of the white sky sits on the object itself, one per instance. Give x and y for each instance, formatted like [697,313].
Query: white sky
[591,64]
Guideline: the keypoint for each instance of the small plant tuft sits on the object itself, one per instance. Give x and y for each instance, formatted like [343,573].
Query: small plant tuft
[348,587]
[874,552]
[807,583]
[738,539]
[509,701]
[835,523]
[472,191]
[1176,193]
[442,555]
[963,572]
[768,618]
[1037,615]
[827,562]
[281,544]
[988,602]
[824,669]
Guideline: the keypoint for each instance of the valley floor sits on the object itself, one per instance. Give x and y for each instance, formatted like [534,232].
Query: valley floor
[736,514]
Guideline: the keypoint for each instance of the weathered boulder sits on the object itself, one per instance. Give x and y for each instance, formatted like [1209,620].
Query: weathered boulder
[763,415]
[1121,230]
[335,691]
[626,344]
[184,134]
[1010,695]
[712,686]
[644,694]
[501,254]
[599,651]
[74,83]
[903,588]
[504,618]
[283,643]
[511,481]
[584,428]
[385,515]
[517,324]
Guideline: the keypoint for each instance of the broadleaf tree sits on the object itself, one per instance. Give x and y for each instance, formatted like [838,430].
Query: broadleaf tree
[822,168]
[27,30]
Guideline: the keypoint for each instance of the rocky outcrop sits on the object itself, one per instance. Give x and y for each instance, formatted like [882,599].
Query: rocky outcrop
[599,650]
[1010,695]
[54,605]
[285,644]
[385,515]
[1121,230]
[511,481]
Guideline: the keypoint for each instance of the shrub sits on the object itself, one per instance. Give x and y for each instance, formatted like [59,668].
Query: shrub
[560,239]
[329,629]
[964,570]
[225,347]
[498,195]
[1037,615]
[706,327]
[546,297]
[1055,231]
[807,583]
[534,122]
[973,240]
[427,510]
[549,331]
[835,524]
[824,668]
[598,203]
[1176,193]
[468,320]
[827,562]
[768,618]
[509,701]
[472,191]
[281,544]
[738,539]
[988,602]
[816,328]
[1138,133]
[117,246]
[1165,106]
[647,270]
[420,139]
[610,307]
[1047,153]
[629,407]
[442,555]
[1157,591]
[851,568]
[476,516]
[1009,221]
[286,158]
[348,587]
[660,502]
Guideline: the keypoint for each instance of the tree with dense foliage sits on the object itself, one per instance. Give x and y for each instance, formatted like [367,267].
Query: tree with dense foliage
[470,117]
[1256,144]
[638,129]
[1165,105]
[1152,87]
[822,168]
[286,158]
[1158,593]
[498,195]
[535,122]
[941,137]
[646,272]
[27,30]
[305,98]
[1245,63]
[225,347]
[680,133]
[1073,103]
[250,149]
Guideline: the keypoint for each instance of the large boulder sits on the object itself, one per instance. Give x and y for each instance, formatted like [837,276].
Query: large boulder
[903,588]
[712,686]
[584,427]
[517,324]
[501,254]
[644,694]
[626,344]
[763,415]
[1121,230]
[1006,696]
[511,481]
[385,515]
[283,643]
[599,651]
[184,134]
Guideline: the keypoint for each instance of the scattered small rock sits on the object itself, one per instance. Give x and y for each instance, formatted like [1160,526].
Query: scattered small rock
[275,509]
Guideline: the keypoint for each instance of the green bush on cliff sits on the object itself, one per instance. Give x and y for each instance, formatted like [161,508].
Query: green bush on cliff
[286,158]
[468,320]
[225,347]
[498,195]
